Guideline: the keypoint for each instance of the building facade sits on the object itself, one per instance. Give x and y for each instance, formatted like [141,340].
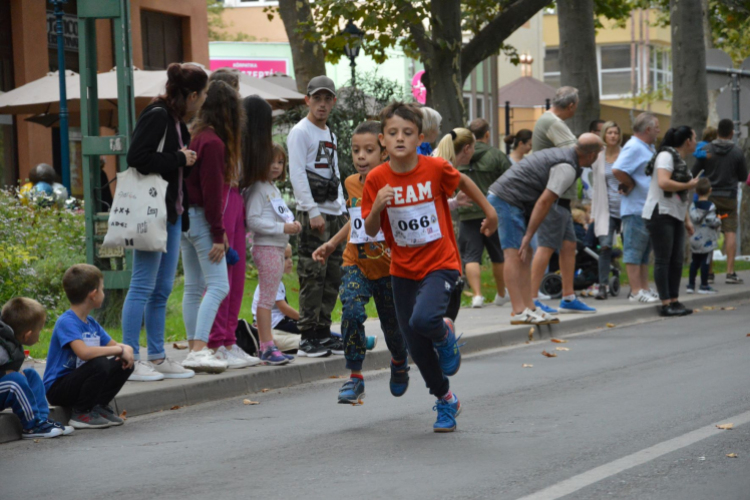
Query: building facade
[163,31]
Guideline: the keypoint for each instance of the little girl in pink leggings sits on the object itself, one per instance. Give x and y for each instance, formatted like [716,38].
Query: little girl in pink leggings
[271,222]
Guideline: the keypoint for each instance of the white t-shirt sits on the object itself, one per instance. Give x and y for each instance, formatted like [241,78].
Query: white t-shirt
[561,177]
[276,315]
[673,205]
[310,148]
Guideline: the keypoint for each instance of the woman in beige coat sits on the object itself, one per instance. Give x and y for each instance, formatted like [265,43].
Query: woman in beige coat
[606,202]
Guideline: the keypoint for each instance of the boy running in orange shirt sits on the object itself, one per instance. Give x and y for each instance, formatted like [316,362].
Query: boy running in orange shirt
[407,198]
[366,273]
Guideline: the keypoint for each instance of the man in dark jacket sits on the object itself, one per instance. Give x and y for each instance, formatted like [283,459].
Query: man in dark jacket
[486,166]
[725,167]
[23,391]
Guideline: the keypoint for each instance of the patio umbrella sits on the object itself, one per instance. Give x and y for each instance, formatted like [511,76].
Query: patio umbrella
[41,96]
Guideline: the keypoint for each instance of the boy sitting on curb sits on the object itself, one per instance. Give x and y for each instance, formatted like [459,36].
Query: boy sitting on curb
[85,367]
[23,391]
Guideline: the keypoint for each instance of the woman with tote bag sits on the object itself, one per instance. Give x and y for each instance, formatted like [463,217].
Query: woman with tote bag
[154,272]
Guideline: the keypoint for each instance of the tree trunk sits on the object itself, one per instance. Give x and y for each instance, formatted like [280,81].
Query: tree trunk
[689,95]
[443,70]
[713,95]
[575,19]
[309,59]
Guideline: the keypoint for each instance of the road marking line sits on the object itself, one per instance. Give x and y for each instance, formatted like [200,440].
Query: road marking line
[597,474]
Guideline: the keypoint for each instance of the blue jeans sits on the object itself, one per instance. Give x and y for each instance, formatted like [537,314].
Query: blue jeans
[420,308]
[355,292]
[511,222]
[199,309]
[150,287]
[24,393]
[636,241]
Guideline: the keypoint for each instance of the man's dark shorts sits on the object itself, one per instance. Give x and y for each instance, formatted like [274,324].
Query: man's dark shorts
[471,243]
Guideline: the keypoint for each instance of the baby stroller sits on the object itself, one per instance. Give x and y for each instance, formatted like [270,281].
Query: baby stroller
[587,273]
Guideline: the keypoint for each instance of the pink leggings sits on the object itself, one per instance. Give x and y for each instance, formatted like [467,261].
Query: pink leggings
[225,324]
[270,263]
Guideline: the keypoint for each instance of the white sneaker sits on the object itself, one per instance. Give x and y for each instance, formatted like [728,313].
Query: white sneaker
[239,353]
[477,301]
[527,317]
[501,301]
[653,293]
[204,361]
[543,296]
[644,297]
[233,363]
[544,318]
[172,369]
[144,372]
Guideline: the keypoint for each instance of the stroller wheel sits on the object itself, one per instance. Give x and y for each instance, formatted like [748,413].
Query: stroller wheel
[552,285]
[614,286]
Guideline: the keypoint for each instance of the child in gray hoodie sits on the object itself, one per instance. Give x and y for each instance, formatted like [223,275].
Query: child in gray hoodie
[705,239]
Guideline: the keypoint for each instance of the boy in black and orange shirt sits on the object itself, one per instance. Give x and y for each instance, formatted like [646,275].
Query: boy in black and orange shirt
[407,198]
[366,274]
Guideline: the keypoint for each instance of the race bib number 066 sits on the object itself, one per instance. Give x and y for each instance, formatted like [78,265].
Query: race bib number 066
[415,225]
[358,236]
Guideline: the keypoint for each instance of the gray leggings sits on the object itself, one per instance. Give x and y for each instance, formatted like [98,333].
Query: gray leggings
[605,250]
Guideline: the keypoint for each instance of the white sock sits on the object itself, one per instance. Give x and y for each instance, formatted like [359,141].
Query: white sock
[569,298]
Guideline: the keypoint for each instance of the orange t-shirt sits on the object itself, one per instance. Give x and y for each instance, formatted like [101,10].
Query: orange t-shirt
[423,240]
[373,259]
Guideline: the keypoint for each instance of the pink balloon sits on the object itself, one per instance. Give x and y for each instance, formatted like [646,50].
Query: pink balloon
[418,90]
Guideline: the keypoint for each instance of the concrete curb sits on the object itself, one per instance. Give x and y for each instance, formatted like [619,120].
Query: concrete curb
[160,396]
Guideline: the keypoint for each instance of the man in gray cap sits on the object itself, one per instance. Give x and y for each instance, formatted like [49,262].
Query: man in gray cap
[314,172]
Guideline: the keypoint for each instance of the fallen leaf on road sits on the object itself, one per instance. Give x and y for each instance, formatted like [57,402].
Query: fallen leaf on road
[549,354]
[249,402]
[732,455]
[562,348]
[559,341]
[337,376]
[696,310]
[725,427]
[265,390]
[525,365]
[709,308]
[611,325]
[176,407]
[531,333]
[36,440]
[748,335]
[123,415]
[728,308]
[179,346]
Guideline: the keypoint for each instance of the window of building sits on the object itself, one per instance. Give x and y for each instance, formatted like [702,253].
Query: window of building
[552,67]
[161,35]
[70,37]
[661,68]
[614,70]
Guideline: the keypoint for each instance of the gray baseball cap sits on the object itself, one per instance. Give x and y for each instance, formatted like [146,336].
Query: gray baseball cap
[321,83]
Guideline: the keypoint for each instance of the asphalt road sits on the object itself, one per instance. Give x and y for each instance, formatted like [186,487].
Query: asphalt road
[626,413]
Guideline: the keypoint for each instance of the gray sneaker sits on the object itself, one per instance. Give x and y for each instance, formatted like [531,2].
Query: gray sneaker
[109,414]
[89,420]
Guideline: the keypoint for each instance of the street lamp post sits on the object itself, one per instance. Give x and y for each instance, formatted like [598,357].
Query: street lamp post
[64,140]
[354,43]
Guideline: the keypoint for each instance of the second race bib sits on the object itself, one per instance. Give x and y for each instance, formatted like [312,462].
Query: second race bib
[357,235]
[415,225]
[279,206]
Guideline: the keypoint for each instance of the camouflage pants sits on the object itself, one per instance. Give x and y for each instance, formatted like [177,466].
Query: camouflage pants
[356,291]
[318,283]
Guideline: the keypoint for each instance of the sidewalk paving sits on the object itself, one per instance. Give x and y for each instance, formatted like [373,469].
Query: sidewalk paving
[485,328]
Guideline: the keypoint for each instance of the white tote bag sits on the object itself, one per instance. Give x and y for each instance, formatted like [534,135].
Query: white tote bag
[138,218]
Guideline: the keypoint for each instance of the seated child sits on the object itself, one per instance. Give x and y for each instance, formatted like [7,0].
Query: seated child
[85,367]
[23,391]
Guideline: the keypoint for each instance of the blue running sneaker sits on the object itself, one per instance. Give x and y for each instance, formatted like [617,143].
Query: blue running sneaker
[352,392]
[446,415]
[372,341]
[544,307]
[399,378]
[272,356]
[449,356]
[575,307]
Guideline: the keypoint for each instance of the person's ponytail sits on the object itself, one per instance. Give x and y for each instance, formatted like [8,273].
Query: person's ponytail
[182,80]
[445,149]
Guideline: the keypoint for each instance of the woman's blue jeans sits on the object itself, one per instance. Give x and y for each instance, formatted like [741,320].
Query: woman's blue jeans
[150,287]
[201,275]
